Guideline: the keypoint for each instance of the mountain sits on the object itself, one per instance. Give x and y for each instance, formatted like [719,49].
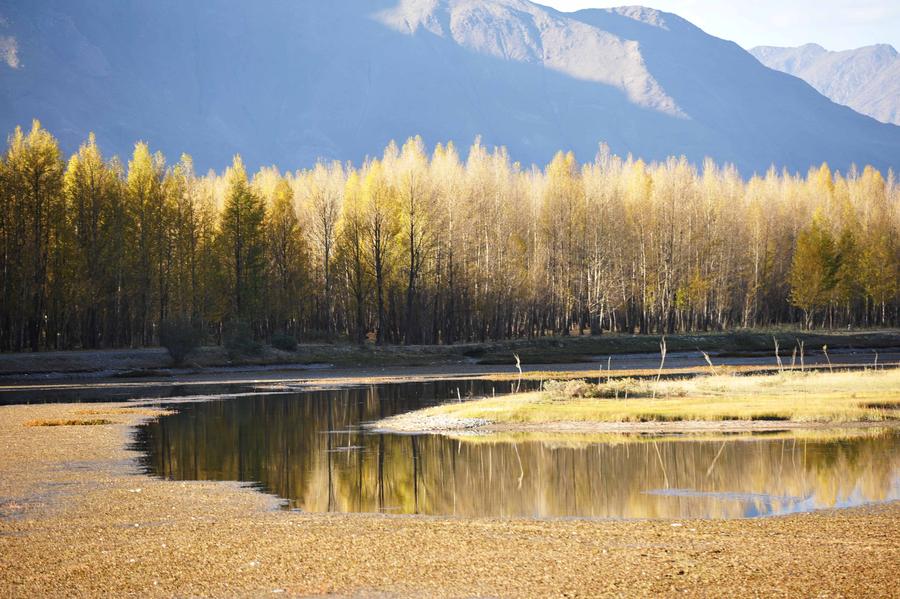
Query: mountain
[866,79]
[285,82]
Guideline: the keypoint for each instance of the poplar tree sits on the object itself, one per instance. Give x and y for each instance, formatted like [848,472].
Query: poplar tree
[243,242]
[414,201]
[34,216]
[380,229]
[286,256]
[352,252]
[146,206]
[813,269]
[93,192]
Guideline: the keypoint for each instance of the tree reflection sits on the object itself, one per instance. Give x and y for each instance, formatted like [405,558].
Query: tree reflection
[309,449]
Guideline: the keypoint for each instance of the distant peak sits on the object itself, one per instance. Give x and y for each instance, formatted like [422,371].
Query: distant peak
[886,49]
[409,15]
[644,14]
[816,49]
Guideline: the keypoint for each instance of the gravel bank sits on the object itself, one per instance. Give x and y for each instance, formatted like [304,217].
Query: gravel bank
[77,519]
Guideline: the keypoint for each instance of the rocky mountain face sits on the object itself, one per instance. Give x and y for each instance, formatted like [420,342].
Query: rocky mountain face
[866,79]
[287,82]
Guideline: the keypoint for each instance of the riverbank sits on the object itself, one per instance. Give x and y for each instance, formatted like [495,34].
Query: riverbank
[732,347]
[78,519]
[701,403]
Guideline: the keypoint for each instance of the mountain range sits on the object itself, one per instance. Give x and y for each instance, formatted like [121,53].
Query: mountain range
[287,82]
[865,79]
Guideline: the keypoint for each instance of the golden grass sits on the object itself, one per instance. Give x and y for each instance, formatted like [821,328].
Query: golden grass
[68,422]
[850,396]
[124,412]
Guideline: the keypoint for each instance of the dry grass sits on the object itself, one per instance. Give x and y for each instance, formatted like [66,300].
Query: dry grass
[859,396]
[153,413]
[68,422]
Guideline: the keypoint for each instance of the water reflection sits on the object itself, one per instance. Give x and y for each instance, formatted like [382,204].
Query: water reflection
[309,449]
[111,392]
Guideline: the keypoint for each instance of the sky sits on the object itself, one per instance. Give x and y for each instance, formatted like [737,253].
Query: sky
[834,24]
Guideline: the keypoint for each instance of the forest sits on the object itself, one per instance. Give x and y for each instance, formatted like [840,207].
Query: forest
[424,246]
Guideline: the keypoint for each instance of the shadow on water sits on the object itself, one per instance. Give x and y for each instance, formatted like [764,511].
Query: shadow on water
[310,449]
[116,393]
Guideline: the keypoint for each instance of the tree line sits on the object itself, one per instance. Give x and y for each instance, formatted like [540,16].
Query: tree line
[417,247]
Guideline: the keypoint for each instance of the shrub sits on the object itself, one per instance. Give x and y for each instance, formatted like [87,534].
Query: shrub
[180,337]
[570,389]
[284,342]
[619,388]
[239,340]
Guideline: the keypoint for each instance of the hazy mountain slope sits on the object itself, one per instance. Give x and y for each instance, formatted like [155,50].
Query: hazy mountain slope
[866,79]
[289,81]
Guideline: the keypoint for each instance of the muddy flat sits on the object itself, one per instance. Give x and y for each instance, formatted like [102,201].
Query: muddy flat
[77,518]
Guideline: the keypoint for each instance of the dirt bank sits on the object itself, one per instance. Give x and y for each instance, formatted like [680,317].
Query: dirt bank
[628,351]
[77,519]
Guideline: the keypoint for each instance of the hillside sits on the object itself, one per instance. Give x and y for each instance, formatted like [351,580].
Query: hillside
[286,83]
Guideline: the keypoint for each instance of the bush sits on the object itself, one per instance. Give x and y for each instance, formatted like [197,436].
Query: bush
[570,389]
[284,342]
[180,337]
[619,388]
[239,340]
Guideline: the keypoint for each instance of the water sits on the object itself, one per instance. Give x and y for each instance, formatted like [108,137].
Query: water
[309,448]
[116,392]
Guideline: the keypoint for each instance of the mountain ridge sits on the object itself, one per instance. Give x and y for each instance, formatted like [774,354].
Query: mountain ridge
[866,79]
[287,83]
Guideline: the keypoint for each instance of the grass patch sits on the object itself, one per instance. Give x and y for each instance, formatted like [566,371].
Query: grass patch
[819,397]
[123,412]
[883,405]
[68,422]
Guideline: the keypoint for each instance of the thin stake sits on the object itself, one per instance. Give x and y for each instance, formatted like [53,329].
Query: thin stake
[825,349]
[662,363]
[777,357]
[519,367]
[709,361]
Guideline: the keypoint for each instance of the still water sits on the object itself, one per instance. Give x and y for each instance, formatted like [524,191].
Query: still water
[311,450]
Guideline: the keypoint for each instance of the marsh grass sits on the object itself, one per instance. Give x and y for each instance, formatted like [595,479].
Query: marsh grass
[123,412]
[815,397]
[68,422]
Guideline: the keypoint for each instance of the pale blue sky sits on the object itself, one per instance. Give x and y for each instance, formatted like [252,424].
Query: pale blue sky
[835,24]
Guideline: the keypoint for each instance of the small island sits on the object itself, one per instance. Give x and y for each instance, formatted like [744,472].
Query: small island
[759,402]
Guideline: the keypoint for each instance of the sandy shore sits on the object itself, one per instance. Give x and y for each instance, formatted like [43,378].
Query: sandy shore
[78,519]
